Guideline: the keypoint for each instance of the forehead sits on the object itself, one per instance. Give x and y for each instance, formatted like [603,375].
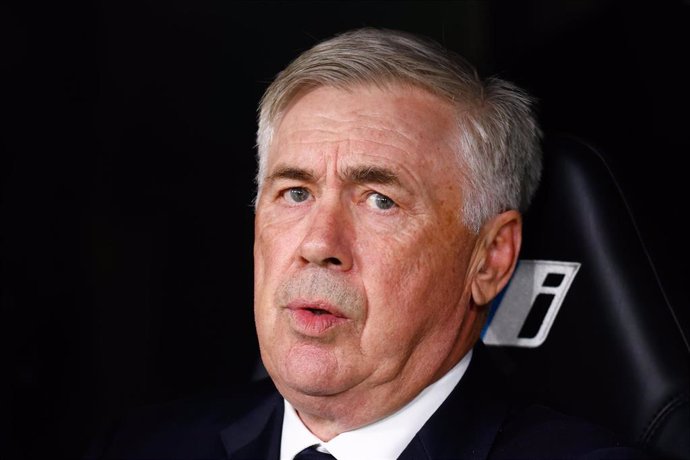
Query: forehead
[400,123]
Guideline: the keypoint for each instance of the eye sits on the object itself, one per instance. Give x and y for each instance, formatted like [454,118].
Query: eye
[296,194]
[379,201]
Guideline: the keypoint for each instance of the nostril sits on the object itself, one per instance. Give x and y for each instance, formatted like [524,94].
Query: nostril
[332,261]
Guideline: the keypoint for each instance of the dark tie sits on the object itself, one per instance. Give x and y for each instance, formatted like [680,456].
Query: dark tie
[310,453]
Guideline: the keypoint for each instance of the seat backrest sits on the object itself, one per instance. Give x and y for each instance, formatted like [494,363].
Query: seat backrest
[585,325]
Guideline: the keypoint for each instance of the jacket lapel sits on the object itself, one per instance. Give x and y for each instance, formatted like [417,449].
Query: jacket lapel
[257,434]
[466,424]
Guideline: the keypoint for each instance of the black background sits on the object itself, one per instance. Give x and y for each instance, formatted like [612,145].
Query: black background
[128,161]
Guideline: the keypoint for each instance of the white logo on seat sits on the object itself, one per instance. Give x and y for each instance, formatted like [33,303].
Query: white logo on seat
[523,314]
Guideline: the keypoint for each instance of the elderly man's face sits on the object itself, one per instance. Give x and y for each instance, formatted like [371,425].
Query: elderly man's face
[361,258]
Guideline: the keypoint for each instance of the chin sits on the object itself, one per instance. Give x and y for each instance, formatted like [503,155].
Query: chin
[309,371]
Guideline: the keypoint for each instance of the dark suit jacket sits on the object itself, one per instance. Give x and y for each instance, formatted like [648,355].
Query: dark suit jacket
[477,421]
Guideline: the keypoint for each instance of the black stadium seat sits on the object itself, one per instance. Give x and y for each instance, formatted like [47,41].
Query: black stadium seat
[585,324]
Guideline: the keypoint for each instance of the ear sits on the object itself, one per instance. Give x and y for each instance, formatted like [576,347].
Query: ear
[498,248]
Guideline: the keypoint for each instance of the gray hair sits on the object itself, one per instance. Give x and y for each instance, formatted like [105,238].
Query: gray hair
[499,139]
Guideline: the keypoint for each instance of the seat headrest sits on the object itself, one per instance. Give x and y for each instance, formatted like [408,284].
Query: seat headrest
[585,325]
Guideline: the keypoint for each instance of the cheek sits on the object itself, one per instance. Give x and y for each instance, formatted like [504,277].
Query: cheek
[274,247]
[410,257]
[396,280]
[270,259]
[408,279]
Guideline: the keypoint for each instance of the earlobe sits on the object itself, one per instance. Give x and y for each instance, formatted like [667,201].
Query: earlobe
[500,241]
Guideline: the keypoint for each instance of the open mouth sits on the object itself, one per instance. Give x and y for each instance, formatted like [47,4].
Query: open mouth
[314,319]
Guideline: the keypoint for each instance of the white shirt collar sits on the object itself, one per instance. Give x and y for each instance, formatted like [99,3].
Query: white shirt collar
[381,440]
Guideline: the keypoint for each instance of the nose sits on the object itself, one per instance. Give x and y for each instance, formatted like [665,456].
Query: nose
[327,241]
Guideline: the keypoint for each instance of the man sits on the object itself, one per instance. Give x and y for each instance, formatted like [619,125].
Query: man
[388,215]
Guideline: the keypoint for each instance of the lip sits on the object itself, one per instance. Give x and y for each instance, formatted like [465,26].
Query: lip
[314,318]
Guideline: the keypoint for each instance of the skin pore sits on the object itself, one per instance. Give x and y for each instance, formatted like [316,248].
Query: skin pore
[368,286]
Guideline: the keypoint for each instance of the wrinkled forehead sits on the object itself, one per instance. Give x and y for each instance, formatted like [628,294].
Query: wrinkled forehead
[401,122]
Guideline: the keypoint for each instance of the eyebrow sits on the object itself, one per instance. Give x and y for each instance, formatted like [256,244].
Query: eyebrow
[372,175]
[287,172]
[357,174]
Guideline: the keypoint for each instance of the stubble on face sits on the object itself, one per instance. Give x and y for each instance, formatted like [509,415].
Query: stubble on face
[317,354]
[322,285]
